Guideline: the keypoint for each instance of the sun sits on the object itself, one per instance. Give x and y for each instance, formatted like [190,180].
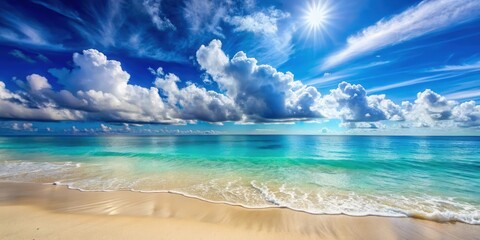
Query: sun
[317,16]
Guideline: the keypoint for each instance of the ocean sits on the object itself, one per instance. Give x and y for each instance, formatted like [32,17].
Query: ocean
[435,178]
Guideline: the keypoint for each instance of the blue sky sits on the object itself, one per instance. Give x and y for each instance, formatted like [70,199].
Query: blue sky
[246,67]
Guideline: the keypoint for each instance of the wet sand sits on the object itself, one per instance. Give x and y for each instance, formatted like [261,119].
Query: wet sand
[40,211]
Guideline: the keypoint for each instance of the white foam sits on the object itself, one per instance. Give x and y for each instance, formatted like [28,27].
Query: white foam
[252,194]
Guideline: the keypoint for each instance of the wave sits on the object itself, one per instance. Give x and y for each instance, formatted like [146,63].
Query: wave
[356,205]
[254,194]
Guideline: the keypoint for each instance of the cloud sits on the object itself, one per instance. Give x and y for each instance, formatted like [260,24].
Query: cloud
[17,106]
[96,88]
[105,128]
[205,16]
[153,8]
[100,87]
[22,127]
[467,114]
[153,29]
[37,83]
[25,57]
[474,93]
[362,125]
[271,33]
[20,55]
[419,80]
[351,104]
[260,91]
[42,58]
[57,7]
[463,67]
[263,22]
[21,29]
[328,77]
[424,18]
[430,109]
[272,36]
[196,103]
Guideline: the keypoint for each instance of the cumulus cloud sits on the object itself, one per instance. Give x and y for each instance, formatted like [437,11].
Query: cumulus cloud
[100,87]
[422,19]
[432,109]
[37,82]
[260,91]
[467,114]
[94,89]
[352,104]
[105,128]
[97,88]
[196,103]
[23,106]
[428,108]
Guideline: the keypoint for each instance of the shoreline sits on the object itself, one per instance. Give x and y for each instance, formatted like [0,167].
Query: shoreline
[57,204]
[181,194]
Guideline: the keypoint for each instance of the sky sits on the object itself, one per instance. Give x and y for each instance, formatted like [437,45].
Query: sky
[375,67]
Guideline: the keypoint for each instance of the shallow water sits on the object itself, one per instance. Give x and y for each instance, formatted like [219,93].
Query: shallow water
[435,178]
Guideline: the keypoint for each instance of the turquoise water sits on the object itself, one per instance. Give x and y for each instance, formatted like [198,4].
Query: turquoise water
[435,178]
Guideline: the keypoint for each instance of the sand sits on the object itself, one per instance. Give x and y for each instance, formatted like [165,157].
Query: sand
[40,211]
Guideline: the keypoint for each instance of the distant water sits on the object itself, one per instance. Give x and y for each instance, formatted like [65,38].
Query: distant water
[436,178]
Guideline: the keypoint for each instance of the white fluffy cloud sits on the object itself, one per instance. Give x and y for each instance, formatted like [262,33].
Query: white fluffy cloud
[260,91]
[196,103]
[351,104]
[432,109]
[467,114]
[97,88]
[37,82]
[105,128]
[100,87]
[24,107]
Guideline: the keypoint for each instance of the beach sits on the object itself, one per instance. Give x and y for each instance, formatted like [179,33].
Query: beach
[239,187]
[45,211]
[240,119]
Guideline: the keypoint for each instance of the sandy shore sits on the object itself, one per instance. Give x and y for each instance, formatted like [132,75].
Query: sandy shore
[38,211]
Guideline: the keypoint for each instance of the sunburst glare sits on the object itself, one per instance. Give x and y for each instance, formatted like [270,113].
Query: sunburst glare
[317,16]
